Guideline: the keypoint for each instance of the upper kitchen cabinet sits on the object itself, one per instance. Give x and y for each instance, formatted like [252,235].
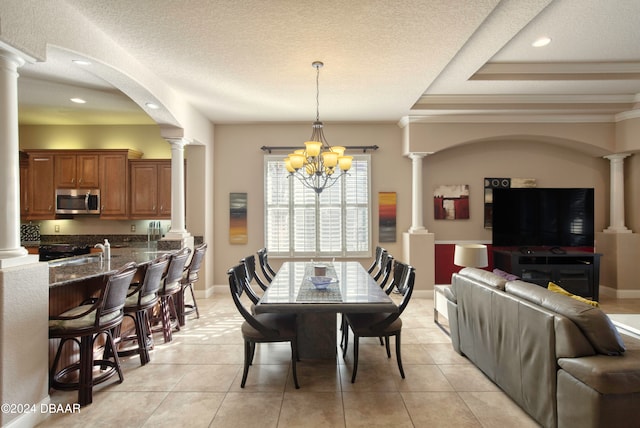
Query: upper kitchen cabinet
[41,197]
[114,183]
[77,171]
[24,185]
[150,190]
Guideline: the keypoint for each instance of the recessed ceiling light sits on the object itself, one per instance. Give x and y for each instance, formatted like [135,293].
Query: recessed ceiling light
[81,62]
[152,106]
[78,100]
[542,41]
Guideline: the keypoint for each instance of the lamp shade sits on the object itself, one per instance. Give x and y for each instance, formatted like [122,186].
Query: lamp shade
[470,255]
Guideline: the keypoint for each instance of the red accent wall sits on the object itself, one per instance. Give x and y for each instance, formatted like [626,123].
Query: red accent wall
[444,262]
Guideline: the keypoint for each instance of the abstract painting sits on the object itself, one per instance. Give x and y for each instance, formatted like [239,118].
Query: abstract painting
[451,202]
[238,218]
[387,216]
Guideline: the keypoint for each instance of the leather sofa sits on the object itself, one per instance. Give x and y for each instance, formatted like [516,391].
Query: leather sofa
[562,361]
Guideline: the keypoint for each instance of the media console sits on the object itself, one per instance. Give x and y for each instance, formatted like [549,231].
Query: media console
[576,271]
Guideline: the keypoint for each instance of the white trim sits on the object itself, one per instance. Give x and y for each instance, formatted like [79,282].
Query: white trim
[499,117]
[619,294]
[31,419]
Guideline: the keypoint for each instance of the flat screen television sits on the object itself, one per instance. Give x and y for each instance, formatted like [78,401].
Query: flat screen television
[543,217]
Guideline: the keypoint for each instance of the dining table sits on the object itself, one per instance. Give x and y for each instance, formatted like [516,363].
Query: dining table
[352,289]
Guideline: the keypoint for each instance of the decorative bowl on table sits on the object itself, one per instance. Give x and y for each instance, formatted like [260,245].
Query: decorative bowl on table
[321,282]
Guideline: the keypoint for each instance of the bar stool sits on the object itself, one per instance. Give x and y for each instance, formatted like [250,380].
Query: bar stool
[83,325]
[142,297]
[171,285]
[189,278]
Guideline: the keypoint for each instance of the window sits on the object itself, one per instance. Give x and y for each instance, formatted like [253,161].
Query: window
[335,224]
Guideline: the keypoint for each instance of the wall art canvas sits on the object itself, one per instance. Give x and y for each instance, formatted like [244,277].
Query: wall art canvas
[387,216]
[451,202]
[500,183]
[238,218]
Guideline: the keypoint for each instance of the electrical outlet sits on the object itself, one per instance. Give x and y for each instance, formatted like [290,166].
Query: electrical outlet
[56,228]
[133,227]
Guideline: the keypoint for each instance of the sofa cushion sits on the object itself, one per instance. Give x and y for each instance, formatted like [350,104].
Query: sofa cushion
[593,323]
[486,277]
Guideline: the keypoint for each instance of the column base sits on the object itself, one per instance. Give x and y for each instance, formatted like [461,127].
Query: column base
[617,229]
[16,257]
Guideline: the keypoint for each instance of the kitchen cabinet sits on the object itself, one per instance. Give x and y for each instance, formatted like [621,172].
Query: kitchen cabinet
[150,189]
[114,183]
[41,198]
[24,185]
[77,171]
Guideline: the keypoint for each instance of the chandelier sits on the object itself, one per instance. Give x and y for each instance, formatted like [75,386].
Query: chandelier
[318,166]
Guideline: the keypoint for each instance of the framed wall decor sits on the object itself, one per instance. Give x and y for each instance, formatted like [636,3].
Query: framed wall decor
[238,218]
[387,216]
[451,202]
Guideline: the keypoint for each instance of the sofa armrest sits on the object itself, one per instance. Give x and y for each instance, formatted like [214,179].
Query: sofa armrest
[606,374]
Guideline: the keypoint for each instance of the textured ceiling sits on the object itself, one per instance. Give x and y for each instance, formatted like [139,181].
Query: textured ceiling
[250,61]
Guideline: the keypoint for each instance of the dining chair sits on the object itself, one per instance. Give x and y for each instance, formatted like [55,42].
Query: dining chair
[83,324]
[190,277]
[262,328]
[266,268]
[376,260]
[141,298]
[380,324]
[250,266]
[171,285]
[382,277]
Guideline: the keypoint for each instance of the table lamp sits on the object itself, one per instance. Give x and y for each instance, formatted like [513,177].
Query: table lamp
[470,255]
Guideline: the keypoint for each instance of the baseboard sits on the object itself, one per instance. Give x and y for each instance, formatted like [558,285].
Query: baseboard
[32,419]
[614,293]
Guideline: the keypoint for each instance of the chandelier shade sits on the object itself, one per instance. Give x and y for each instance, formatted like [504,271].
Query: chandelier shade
[319,165]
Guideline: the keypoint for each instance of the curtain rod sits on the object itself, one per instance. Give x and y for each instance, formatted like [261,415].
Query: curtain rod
[289,148]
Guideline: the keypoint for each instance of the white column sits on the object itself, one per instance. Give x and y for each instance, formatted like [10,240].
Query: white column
[616,202]
[417,219]
[10,249]
[178,230]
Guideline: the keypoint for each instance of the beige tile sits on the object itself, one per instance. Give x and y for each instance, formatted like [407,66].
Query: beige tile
[423,377]
[439,409]
[311,409]
[248,410]
[126,409]
[152,377]
[263,378]
[443,353]
[467,378]
[496,410]
[210,378]
[370,377]
[375,409]
[188,409]
[317,376]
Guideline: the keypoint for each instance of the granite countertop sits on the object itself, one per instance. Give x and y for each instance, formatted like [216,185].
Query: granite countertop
[90,265]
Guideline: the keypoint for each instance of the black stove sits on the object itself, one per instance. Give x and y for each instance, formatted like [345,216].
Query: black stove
[60,251]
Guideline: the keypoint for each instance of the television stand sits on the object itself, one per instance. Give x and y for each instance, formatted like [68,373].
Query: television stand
[578,272]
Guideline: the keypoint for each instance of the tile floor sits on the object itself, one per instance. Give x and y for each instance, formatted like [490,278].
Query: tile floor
[194,381]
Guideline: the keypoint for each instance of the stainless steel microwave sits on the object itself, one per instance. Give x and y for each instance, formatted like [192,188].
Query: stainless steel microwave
[77,201]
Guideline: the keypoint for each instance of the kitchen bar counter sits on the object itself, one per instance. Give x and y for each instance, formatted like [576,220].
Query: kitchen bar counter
[87,266]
